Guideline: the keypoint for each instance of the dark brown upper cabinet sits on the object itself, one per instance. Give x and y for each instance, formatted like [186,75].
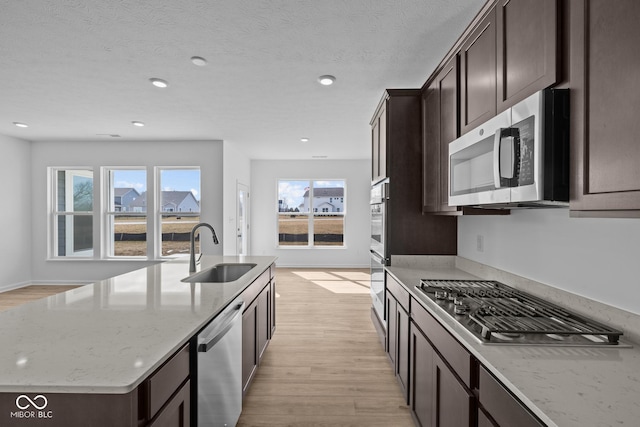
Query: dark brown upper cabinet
[512,53]
[440,127]
[605,99]
[379,145]
[478,75]
[527,49]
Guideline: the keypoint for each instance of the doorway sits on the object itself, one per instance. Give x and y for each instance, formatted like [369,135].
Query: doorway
[242,220]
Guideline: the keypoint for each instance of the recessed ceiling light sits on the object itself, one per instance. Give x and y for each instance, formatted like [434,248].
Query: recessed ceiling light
[136,123]
[199,61]
[21,125]
[326,80]
[159,82]
[319,157]
[304,139]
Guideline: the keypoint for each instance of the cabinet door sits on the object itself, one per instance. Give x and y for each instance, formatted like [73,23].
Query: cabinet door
[402,358]
[421,392]
[263,321]
[375,150]
[454,403]
[379,145]
[484,420]
[527,44]
[604,107]
[440,102]
[449,125]
[478,75]
[391,309]
[177,412]
[272,308]
[431,148]
[249,350]
[382,163]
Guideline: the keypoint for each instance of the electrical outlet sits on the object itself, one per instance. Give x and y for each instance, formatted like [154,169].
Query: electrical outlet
[480,243]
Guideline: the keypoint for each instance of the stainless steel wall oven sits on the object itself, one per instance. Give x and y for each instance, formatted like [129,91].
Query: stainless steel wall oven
[378,249]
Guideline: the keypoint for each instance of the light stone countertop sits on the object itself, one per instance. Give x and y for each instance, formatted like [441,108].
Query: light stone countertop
[563,386]
[107,337]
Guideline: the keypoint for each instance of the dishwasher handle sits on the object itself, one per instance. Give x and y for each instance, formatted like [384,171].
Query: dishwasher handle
[226,323]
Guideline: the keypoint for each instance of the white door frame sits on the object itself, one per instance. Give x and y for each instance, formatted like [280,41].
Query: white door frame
[242,220]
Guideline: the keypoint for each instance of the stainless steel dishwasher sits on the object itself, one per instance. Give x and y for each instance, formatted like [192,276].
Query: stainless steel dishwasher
[219,370]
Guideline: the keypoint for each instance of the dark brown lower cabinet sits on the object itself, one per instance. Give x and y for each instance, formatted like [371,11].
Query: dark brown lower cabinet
[258,324]
[421,393]
[176,413]
[162,400]
[504,409]
[397,309]
[437,396]
[454,402]
[263,324]
[249,346]
[484,420]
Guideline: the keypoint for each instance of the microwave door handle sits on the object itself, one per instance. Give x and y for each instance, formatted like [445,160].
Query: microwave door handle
[506,153]
[496,158]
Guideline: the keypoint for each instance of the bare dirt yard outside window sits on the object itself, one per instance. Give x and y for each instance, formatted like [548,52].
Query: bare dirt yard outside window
[130,235]
[293,230]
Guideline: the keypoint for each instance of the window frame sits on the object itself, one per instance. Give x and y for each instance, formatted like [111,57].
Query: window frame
[107,216]
[159,213]
[311,214]
[55,214]
[101,214]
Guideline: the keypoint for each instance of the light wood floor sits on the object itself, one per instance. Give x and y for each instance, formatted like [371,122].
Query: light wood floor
[325,365]
[29,293]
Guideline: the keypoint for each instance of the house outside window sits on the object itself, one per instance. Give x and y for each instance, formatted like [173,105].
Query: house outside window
[125,226]
[311,213]
[179,208]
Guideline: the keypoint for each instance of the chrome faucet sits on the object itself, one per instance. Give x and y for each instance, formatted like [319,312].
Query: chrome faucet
[192,241]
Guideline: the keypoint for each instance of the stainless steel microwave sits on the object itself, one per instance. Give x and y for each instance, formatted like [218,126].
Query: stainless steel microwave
[519,158]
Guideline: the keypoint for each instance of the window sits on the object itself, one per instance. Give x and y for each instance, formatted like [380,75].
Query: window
[126,218]
[179,208]
[133,221]
[311,213]
[73,212]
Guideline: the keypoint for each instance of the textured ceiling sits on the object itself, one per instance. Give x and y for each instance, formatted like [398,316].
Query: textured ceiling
[79,69]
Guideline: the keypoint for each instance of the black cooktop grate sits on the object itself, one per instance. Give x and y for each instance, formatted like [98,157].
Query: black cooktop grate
[499,309]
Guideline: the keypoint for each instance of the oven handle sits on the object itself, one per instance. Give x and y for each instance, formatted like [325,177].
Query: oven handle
[377,257]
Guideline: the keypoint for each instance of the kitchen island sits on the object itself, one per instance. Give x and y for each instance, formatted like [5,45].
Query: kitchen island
[104,340]
[562,386]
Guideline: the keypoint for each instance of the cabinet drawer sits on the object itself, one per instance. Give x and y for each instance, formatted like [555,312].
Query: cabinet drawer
[451,350]
[252,291]
[166,380]
[398,292]
[503,407]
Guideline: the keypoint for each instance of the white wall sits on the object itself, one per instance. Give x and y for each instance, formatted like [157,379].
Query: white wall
[15,175]
[236,169]
[206,154]
[598,258]
[264,206]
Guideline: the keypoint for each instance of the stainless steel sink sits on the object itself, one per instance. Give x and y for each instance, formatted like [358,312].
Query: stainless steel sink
[220,273]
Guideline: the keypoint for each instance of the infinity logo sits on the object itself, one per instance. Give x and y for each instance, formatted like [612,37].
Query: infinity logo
[31,402]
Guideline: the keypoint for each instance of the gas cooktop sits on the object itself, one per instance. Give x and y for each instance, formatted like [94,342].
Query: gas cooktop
[499,314]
